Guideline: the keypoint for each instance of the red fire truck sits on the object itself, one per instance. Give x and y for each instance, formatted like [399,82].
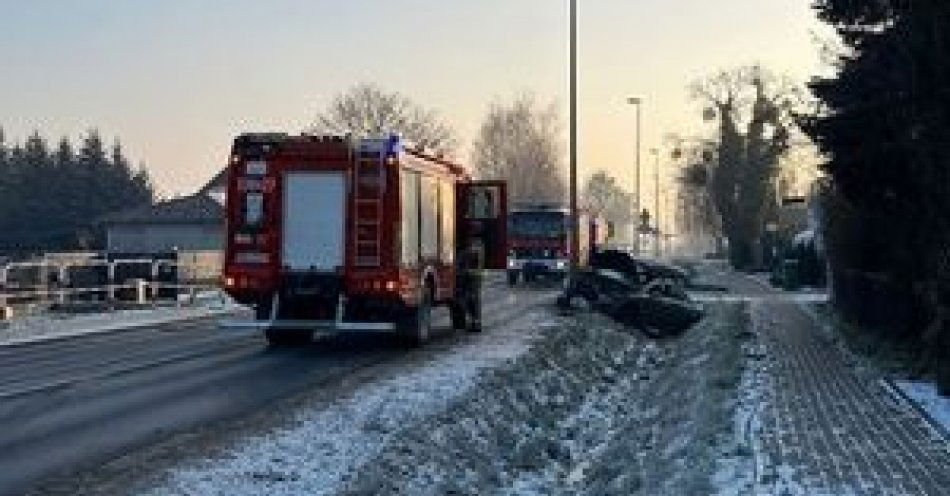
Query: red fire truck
[539,240]
[329,233]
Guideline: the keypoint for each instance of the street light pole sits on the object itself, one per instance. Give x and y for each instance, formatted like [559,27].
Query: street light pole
[575,221]
[638,102]
[656,200]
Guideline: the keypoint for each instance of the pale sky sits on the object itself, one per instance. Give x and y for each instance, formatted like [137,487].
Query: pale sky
[177,79]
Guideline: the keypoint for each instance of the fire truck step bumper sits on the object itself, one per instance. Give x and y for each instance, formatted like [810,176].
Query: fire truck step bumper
[316,325]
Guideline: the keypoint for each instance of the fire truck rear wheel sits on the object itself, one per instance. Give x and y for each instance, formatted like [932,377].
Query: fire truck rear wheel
[288,337]
[512,277]
[262,310]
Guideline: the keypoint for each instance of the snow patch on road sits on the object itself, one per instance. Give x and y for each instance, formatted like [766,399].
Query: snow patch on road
[324,448]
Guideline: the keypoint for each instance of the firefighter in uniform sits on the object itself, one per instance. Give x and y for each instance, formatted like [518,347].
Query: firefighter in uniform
[470,280]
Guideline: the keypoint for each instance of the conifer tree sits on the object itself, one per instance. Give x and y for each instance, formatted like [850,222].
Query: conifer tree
[885,125]
[48,198]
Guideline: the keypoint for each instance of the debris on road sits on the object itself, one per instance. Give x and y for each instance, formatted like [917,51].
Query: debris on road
[648,296]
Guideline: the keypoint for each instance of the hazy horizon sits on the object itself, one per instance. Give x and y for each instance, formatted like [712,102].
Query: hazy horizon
[177,80]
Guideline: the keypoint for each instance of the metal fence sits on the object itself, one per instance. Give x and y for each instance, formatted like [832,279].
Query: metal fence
[68,280]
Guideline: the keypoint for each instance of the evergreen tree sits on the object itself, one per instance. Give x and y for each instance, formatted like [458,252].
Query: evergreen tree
[32,220]
[61,186]
[52,200]
[885,126]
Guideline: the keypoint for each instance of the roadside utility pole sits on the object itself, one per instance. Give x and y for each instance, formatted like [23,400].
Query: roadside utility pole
[575,221]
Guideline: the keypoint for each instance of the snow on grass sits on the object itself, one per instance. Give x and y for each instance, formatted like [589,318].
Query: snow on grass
[57,325]
[594,408]
[324,447]
[926,396]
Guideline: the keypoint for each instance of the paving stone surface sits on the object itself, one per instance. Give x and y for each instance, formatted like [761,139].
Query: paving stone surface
[825,426]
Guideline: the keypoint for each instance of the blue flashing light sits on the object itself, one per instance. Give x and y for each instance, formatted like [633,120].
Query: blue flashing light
[394,145]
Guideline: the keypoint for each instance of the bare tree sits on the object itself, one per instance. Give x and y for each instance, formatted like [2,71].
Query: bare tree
[521,143]
[603,196]
[367,110]
[754,109]
[696,217]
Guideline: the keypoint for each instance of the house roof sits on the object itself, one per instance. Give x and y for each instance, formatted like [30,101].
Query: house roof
[195,209]
[219,181]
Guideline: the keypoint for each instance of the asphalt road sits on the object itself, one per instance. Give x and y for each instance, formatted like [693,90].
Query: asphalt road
[69,405]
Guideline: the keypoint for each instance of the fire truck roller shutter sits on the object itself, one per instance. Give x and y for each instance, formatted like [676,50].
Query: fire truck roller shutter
[409,198]
[429,225]
[314,215]
[447,214]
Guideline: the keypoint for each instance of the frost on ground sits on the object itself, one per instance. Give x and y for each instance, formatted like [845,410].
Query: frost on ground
[592,409]
[926,396]
[49,325]
[324,448]
[748,464]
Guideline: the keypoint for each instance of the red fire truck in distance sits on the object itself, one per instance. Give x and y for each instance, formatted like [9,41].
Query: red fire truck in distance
[330,233]
[539,240]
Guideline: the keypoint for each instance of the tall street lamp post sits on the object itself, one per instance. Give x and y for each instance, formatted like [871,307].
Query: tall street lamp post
[575,223]
[638,102]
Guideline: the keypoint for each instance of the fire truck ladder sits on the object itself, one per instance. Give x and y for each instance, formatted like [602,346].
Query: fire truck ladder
[368,196]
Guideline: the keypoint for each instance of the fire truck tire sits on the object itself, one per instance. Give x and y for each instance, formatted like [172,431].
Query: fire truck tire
[286,337]
[512,278]
[262,310]
[416,325]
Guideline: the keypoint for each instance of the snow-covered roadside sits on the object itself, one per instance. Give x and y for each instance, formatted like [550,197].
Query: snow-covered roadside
[926,396]
[592,409]
[741,454]
[324,448]
[50,326]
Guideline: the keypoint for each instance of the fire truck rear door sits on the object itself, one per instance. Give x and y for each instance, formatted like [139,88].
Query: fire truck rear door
[313,223]
[483,211]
